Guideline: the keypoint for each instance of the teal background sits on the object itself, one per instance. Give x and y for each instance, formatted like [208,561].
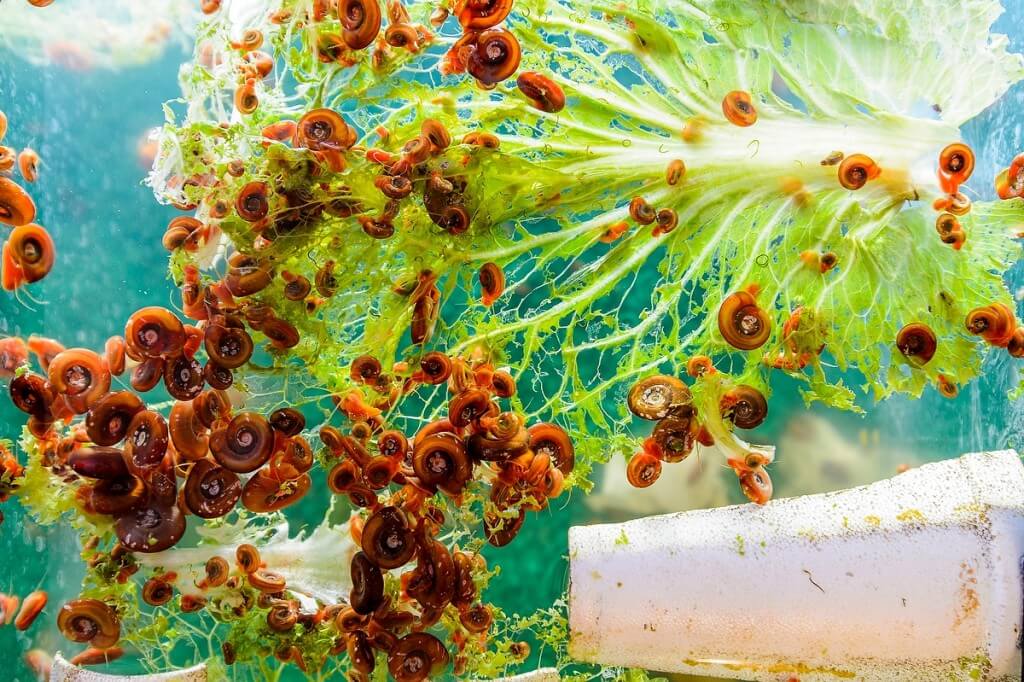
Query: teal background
[86,127]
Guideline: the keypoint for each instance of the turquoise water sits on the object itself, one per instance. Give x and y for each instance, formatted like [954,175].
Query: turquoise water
[87,127]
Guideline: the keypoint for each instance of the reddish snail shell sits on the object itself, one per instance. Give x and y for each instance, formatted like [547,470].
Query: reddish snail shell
[282,335]
[956,161]
[657,396]
[744,405]
[296,287]
[416,657]
[14,354]
[217,571]
[246,100]
[98,462]
[248,558]
[252,203]
[245,444]
[108,420]
[476,15]
[437,134]
[756,484]
[917,342]
[360,21]
[503,384]
[211,491]
[264,493]
[365,369]
[282,616]
[326,281]
[28,164]
[675,437]
[553,441]
[675,171]
[367,585]
[287,421]
[16,206]
[465,588]
[1015,347]
[292,458]
[360,652]
[392,444]
[217,377]
[229,347]
[469,406]
[441,460]
[543,93]
[190,438]
[641,211]
[32,394]
[212,406]
[153,332]
[323,130]
[89,620]
[151,527]
[500,530]
[94,655]
[667,219]
[476,619]
[113,353]
[146,375]
[495,56]
[643,469]
[995,323]
[183,377]
[856,170]
[432,582]
[504,439]
[8,157]
[742,323]
[31,607]
[80,375]
[435,367]
[266,582]
[113,497]
[146,441]
[739,109]
[492,283]
[32,250]
[387,539]
[157,592]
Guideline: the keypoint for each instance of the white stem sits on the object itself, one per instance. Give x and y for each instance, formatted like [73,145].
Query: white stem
[912,578]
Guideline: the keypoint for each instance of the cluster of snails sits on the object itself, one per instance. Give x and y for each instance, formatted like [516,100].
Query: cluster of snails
[956,163]
[664,219]
[28,254]
[995,323]
[529,465]
[795,353]
[444,198]
[200,441]
[667,401]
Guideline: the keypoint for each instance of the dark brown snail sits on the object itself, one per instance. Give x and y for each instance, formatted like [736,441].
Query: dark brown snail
[917,343]
[745,406]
